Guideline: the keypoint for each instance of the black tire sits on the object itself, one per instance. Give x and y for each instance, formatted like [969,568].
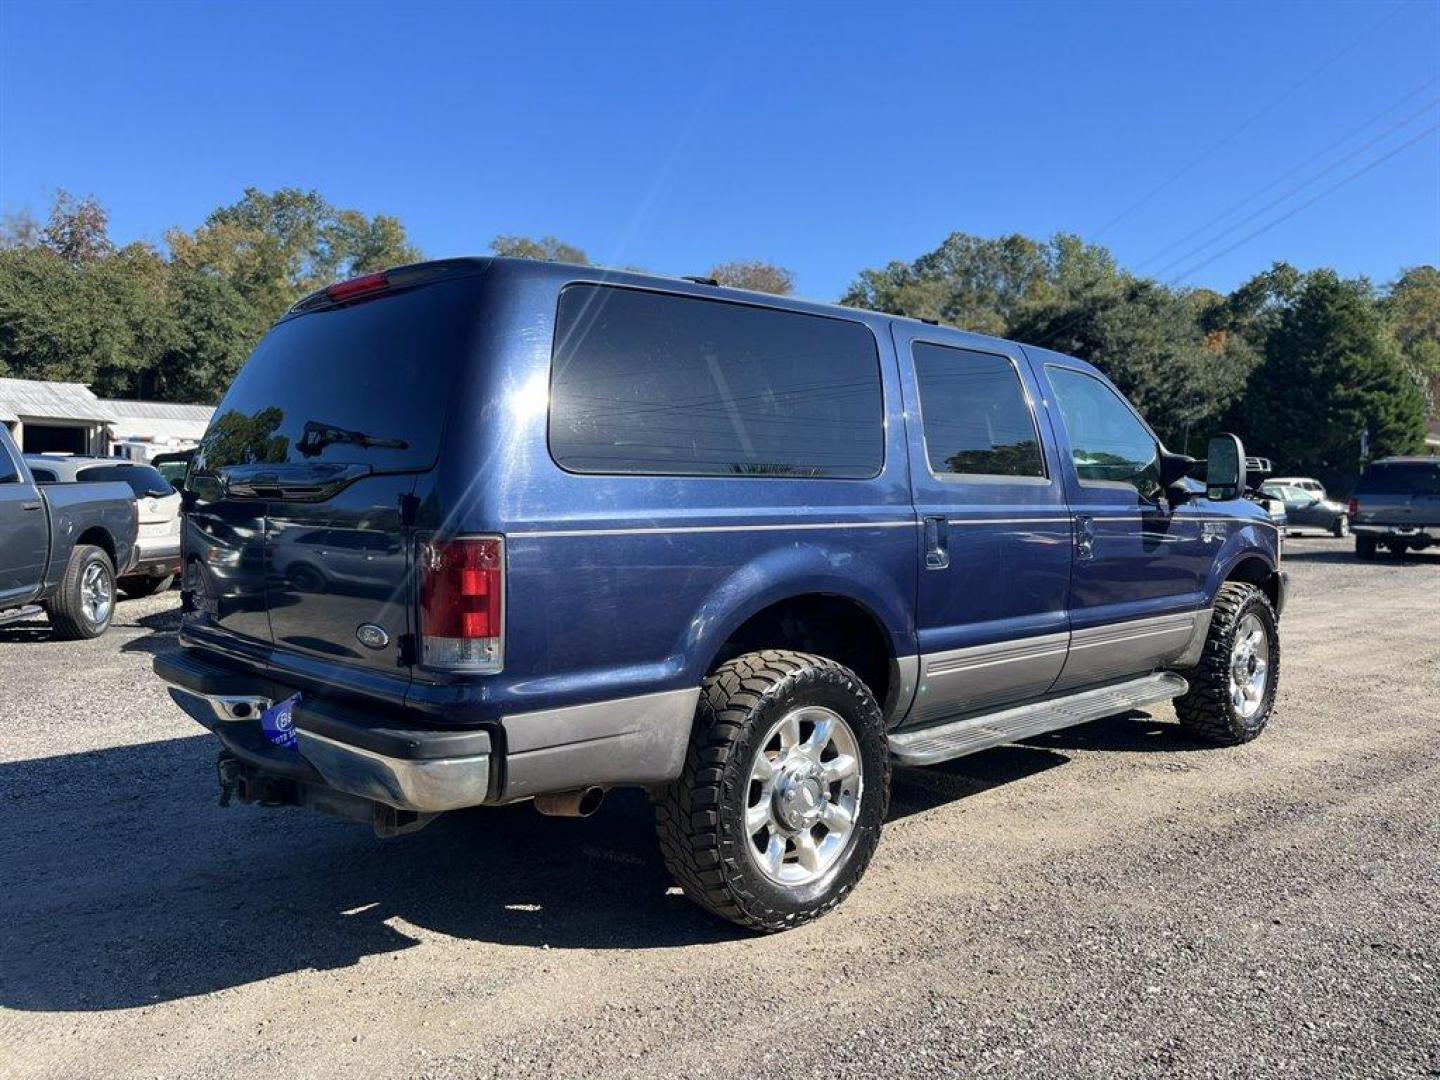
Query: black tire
[700,816]
[1364,547]
[1207,710]
[68,620]
[137,587]
[1341,528]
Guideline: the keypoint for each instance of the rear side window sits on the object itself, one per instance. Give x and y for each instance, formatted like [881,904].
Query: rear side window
[974,412]
[42,476]
[1400,478]
[669,385]
[143,479]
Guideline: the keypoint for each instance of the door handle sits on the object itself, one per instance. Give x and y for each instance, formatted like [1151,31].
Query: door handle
[937,543]
[1084,537]
[30,505]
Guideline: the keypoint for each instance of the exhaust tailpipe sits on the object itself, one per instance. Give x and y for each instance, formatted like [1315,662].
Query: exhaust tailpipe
[581,802]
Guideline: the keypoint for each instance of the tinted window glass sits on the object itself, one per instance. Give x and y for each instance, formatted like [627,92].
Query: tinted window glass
[1400,478]
[649,383]
[1107,442]
[42,476]
[9,470]
[363,383]
[974,411]
[143,480]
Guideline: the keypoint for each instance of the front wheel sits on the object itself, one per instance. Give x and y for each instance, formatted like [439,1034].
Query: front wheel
[785,787]
[1232,689]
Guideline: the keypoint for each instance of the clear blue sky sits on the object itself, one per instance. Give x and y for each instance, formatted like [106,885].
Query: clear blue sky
[825,138]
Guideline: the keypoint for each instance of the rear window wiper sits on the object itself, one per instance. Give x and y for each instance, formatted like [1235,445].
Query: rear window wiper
[315,436]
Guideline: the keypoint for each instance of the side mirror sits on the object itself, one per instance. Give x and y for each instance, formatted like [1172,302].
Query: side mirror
[1225,468]
[1174,468]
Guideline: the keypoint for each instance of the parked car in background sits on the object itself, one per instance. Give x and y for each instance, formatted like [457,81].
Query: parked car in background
[173,465]
[1304,483]
[1396,505]
[158,544]
[61,547]
[1304,509]
[490,530]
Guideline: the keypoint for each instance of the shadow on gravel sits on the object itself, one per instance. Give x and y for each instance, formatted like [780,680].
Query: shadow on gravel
[125,884]
[162,626]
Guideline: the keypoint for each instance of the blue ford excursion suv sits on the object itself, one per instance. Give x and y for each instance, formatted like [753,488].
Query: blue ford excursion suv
[484,530]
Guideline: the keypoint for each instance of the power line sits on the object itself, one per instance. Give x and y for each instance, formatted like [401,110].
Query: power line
[1291,171]
[1307,203]
[1246,125]
[1223,233]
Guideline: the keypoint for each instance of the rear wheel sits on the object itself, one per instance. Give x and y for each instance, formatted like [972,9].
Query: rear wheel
[1365,547]
[785,788]
[136,587]
[85,601]
[1341,528]
[1232,689]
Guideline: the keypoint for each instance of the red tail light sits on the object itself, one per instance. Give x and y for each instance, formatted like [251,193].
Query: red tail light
[1354,508]
[462,597]
[357,286]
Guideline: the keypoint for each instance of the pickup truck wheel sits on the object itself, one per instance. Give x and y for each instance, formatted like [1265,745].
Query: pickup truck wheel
[1364,547]
[85,601]
[785,787]
[1232,689]
[137,587]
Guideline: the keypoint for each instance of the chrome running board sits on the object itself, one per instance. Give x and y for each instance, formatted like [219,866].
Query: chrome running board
[941,742]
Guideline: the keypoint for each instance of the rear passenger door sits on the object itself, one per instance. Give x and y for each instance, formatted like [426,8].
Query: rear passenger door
[995,543]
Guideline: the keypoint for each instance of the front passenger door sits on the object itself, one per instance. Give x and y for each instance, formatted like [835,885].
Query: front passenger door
[1140,563]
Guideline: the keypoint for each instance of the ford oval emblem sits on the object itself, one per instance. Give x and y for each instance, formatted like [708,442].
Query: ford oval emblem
[372,636]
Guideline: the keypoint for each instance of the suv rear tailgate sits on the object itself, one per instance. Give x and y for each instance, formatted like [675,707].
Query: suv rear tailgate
[299,547]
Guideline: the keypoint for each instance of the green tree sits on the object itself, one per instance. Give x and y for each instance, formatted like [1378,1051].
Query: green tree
[276,247]
[978,283]
[1331,370]
[545,249]
[1151,341]
[78,230]
[756,275]
[1412,308]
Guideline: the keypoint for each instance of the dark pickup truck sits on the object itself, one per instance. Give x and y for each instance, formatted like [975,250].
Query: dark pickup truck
[61,548]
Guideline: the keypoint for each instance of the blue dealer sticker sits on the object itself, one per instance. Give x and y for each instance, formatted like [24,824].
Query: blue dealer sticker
[278,722]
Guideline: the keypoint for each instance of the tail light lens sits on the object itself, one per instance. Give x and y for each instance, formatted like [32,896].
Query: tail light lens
[462,604]
[1354,508]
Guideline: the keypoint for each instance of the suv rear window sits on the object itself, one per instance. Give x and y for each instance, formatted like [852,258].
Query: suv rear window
[365,382]
[144,480]
[659,384]
[1400,478]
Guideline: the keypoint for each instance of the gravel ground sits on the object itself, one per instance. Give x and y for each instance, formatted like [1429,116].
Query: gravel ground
[1112,900]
